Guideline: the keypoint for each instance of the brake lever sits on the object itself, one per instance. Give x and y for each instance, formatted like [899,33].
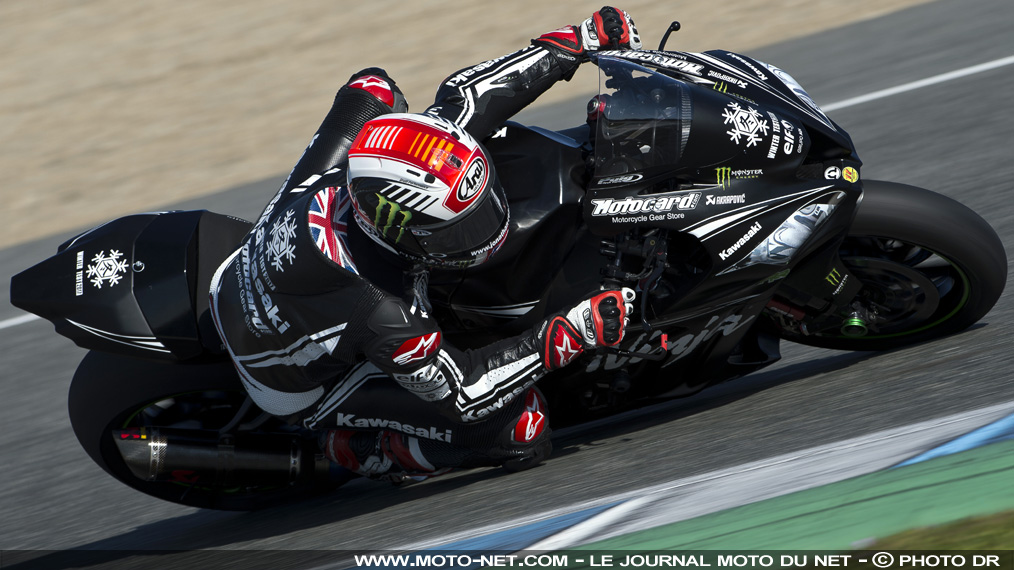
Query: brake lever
[673,27]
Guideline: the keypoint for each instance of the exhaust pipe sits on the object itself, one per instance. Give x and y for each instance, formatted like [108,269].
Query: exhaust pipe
[193,456]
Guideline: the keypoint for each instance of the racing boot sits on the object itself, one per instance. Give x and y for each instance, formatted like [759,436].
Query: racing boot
[385,455]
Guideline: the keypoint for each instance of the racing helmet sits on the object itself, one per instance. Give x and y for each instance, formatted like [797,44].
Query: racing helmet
[424,188]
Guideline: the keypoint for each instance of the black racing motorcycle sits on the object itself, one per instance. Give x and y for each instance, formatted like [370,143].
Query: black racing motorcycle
[710,182]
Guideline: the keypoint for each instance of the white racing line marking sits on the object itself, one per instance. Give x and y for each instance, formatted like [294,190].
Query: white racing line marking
[18,321]
[698,495]
[949,76]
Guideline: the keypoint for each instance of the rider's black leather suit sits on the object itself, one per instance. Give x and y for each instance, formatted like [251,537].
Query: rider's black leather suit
[315,316]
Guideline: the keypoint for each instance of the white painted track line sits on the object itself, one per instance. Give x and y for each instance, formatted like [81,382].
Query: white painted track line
[949,76]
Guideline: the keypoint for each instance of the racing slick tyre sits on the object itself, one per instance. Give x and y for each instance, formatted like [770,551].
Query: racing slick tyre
[929,265]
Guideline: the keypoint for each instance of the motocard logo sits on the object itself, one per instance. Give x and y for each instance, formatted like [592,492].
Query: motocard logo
[632,205]
[727,252]
[473,180]
[351,421]
[417,348]
[712,200]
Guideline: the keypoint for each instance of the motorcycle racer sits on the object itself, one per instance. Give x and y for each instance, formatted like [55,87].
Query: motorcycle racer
[323,308]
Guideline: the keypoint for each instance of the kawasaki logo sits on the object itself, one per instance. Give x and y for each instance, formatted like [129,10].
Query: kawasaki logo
[351,421]
[472,415]
[631,205]
[392,217]
[727,252]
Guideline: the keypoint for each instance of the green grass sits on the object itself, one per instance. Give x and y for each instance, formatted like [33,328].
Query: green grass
[993,532]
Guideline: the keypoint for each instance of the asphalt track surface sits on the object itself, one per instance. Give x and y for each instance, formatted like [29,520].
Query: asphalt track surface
[953,137]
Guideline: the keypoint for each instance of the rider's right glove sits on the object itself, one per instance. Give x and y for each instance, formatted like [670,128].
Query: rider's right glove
[594,322]
[609,28]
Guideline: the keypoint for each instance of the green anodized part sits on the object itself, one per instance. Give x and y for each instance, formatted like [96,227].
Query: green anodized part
[392,215]
[854,326]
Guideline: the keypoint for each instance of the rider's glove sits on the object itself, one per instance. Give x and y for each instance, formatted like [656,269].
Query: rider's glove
[609,28]
[594,322]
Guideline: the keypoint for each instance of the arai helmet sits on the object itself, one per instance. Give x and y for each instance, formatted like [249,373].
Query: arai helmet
[424,188]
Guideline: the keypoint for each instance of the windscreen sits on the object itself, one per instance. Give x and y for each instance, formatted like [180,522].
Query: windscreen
[643,119]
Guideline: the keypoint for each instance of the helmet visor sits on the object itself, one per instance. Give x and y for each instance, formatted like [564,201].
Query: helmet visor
[469,236]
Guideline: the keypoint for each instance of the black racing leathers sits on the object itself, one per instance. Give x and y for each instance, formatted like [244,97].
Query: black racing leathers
[297,313]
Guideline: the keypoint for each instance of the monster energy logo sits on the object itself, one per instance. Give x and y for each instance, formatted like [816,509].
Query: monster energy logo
[721,87]
[392,217]
[724,176]
[834,278]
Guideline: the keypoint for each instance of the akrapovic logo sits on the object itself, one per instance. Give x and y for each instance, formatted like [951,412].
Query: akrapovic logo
[727,252]
[351,421]
[713,200]
[632,205]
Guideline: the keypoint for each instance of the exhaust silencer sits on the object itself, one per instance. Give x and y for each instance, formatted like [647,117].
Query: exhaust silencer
[192,456]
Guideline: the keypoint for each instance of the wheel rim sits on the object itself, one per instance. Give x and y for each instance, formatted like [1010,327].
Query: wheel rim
[902,297]
[912,287]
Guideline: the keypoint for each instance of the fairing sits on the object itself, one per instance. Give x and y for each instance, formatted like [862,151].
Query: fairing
[136,285]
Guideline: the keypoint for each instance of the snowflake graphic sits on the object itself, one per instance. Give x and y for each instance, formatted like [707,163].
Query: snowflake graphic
[107,268]
[282,246]
[745,123]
